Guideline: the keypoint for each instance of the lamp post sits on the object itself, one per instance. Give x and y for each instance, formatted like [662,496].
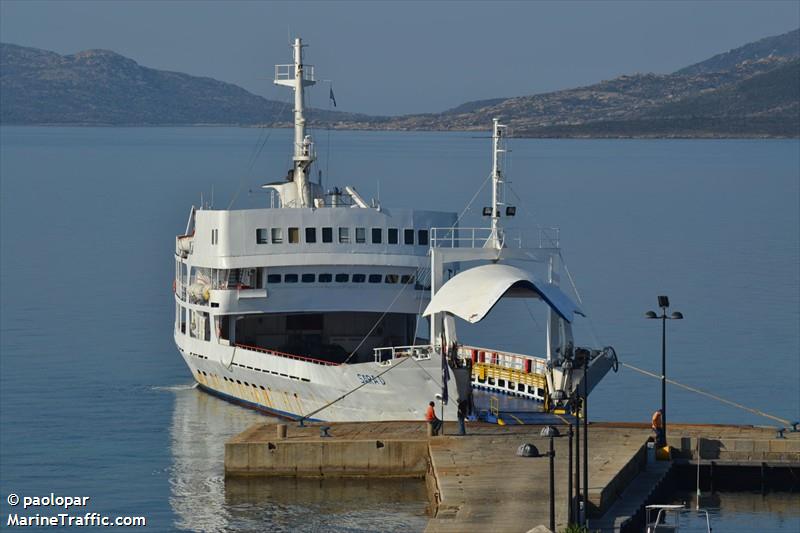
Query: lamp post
[663,303]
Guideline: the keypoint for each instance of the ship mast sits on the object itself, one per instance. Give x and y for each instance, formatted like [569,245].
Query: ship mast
[297,77]
[498,148]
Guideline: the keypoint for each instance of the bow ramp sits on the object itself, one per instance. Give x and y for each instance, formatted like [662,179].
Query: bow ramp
[471,294]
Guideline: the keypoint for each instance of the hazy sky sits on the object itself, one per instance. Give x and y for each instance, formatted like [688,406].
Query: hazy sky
[403,57]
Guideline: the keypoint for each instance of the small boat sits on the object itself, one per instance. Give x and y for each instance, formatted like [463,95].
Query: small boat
[666,518]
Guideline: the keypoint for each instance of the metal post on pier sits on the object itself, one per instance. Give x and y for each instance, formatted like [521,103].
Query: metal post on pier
[577,496]
[570,497]
[585,440]
[552,485]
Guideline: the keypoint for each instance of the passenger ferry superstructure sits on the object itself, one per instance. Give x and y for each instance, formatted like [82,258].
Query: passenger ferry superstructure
[311,309]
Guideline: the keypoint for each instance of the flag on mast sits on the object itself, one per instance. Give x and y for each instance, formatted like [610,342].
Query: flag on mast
[333,98]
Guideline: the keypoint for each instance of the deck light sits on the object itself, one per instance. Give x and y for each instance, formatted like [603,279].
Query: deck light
[511,211]
[487,211]
[663,303]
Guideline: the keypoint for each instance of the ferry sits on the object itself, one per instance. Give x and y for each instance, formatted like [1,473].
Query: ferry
[313,308]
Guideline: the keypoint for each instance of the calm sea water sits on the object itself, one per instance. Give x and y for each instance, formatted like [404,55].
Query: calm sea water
[95,401]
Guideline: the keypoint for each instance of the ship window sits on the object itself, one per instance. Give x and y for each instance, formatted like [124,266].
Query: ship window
[422,237]
[311,235]
[290,278]
[344,235]
[214,236]
[325,278]
[308,278]
[294,235]
[375,278]
[408,236]
[359,278]
[391,278]
[406,279]
[261,236]
[277,235]
[392,236]
[377,235]
[361,235]
[342,278]
[273,278]
[327,234]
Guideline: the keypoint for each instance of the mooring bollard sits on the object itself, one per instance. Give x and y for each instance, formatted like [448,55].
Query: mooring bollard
[281,431]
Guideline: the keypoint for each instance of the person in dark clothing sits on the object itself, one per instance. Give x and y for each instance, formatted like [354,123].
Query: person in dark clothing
[463,408]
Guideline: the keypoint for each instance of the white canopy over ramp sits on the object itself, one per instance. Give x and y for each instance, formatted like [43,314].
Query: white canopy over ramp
[471,294]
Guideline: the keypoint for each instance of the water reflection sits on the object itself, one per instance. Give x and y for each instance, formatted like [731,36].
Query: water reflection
[743,511]
[203,500]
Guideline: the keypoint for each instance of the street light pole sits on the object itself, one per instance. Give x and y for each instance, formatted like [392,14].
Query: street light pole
[570,497]
[585,518]
[663,303]
[664,373]
[552,455]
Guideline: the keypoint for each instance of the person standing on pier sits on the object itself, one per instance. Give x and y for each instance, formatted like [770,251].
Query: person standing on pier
[463,407]
[430,416]
[657,423]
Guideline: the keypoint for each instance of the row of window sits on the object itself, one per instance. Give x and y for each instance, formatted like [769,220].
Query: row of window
[274,279]
[275,236]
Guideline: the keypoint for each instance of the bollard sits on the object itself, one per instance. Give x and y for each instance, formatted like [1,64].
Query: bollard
[281,431]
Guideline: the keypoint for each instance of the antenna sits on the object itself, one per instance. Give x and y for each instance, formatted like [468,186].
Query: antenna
[498,148]
[298,76]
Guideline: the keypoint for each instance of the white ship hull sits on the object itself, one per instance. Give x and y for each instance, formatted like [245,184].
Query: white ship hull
[345,280]
[293,388]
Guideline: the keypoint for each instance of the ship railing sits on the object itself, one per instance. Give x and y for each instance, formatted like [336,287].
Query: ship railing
[285,355]
[456,237]
[528,364]
[287,72]
[385,355]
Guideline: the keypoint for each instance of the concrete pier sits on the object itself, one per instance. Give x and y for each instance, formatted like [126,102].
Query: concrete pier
[474,482]
[477,482]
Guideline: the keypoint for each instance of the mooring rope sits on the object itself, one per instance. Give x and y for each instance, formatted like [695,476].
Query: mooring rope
[709,395]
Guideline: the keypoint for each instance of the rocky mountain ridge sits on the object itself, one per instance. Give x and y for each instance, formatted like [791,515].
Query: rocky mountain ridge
[711,98]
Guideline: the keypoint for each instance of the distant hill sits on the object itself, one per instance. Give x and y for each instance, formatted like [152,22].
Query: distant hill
[765,105]
[103,87]
[753,90]
[641,104]
[785,45]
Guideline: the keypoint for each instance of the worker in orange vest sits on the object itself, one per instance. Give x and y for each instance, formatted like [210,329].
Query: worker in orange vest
[430,416]
[657,423]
